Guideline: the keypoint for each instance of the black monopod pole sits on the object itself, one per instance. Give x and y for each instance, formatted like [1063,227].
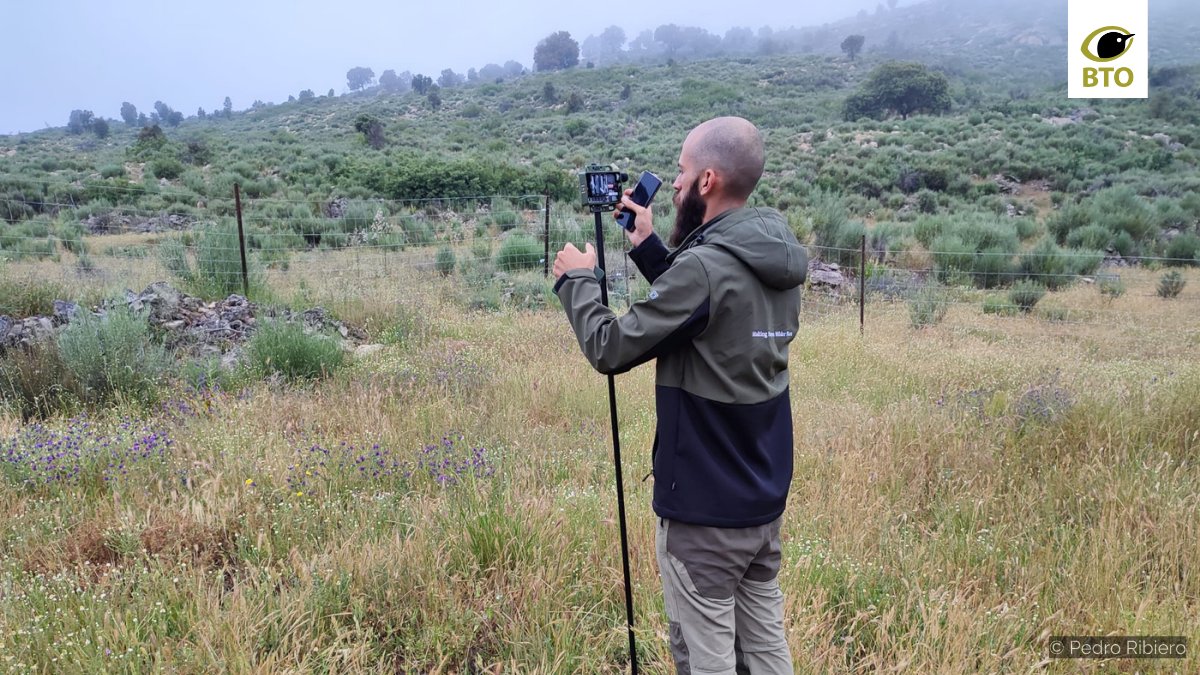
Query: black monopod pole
[616,438]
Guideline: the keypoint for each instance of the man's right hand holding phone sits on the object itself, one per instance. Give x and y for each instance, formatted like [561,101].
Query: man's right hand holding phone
[643,224]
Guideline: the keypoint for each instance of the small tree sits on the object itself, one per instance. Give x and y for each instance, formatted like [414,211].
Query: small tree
[227,108]
[371,129]
[421,83]
[449,79]
[307,95]
[549,95]
[556,51]
[100,128]
[1025,294]
[899,88]
[80,121]
[389,81]
[1171,284]
[150,140]
[434,98]
[359,77]
[852,45]
[168,115]
[574,103]
[129,113]
[513,69]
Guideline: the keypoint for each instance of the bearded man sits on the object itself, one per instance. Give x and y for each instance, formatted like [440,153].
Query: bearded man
[723,306]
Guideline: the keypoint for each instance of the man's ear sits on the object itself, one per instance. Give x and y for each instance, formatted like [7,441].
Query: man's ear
[708,182]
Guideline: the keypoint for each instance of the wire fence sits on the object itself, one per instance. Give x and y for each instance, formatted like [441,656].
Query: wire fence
[503,246]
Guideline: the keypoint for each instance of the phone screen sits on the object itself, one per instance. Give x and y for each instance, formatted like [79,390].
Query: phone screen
[645,189]
[643,193]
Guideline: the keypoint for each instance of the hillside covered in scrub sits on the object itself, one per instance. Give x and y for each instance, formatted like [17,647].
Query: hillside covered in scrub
[1006,163]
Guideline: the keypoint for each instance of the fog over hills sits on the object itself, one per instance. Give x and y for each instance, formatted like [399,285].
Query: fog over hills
[193,58]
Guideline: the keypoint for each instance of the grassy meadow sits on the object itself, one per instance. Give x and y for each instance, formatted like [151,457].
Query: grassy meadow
[1009,451]
[961,492]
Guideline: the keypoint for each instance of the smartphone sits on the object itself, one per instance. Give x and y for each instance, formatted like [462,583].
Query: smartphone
[643,193]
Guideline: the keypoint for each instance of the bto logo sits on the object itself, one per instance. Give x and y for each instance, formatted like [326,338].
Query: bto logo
[1102,46]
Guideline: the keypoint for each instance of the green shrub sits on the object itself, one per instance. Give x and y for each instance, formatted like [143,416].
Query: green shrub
[1048,265]
[217,270]
[828,214]
[505,220]
[1054,314]
[1027,228]
[206,373]
[113,356]
[416,230]
[1124,245]
[520,252]
[992,268]
[927,229]
[1095,237]
[1026,294]
[1121,209]
[1111,286]
[71,235]
[445,261]
[284,348]
[481,250]
[1083,262]
[112,171]
[1069,218]
[1183,250]
[952,255]
[994,304]
[1171,284]
[928,306]
[166,167]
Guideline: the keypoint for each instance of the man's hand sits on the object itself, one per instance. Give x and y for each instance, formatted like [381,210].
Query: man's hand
[571,258]
[643,224]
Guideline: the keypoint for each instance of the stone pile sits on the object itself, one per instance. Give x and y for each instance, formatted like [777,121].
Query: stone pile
[188,323]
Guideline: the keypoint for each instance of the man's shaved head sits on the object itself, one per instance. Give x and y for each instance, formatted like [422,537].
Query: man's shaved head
[731,147]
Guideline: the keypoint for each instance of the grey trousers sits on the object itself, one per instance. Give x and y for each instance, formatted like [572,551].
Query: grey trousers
[721,590]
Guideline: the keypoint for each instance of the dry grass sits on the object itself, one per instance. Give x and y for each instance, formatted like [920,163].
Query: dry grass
[961,493]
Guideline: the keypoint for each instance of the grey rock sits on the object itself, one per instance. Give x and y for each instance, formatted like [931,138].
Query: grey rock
[64,311]
[826,274]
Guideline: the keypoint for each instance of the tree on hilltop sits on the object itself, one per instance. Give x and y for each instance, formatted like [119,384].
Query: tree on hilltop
[421,83]
[556,51]
[852,45]
[80,121]
[359,77]
[129,113]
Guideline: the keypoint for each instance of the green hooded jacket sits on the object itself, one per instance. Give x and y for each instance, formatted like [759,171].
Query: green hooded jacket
[721,312]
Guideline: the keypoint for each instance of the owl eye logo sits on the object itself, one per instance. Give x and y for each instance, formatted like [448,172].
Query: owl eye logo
[1107,44]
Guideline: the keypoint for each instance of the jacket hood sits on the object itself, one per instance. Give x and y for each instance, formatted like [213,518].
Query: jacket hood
[760,238]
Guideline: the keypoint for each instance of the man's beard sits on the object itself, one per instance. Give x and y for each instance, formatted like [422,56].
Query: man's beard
[689,216]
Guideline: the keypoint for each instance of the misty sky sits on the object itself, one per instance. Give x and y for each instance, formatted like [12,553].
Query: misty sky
[59,55]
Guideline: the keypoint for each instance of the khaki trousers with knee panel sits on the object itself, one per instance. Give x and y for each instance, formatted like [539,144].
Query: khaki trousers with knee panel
[721,590]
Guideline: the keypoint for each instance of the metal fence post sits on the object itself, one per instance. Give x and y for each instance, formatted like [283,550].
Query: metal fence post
[862,287]
[546,260]
[237,200]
